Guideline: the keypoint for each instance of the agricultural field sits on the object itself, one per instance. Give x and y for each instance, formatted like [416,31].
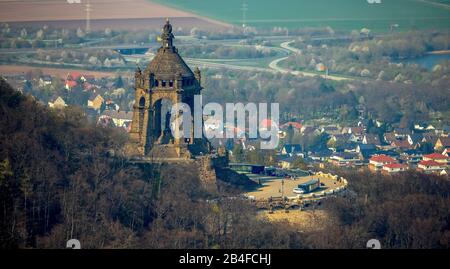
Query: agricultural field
[116,14]
[342,15]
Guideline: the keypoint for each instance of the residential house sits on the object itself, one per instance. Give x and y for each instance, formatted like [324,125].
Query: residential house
[437,157]
[45,80]
[431,167]
[110,105]
[378,161]
[341,141]
[392,168]
[345,159]
[401,144]
[365,151]
[57,102]
[96,103]
[401,132]
[430,138]
[446,152]
[414,140]
[371,139]
[291,149]
[340,137]
[430,128]
[356,133]
[331,130]
[78,76]
[119,118]
[287,163]
[411,157]
[353,130]
[70,84]
[442,143]
[389,137]
[105,121]
[73,76]
[320,156]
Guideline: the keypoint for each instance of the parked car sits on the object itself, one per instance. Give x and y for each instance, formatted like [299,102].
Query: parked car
[298,190]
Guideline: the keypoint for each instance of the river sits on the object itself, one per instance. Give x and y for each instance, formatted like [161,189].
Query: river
[428,61]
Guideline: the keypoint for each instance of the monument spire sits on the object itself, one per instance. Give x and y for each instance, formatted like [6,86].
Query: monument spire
[167,36]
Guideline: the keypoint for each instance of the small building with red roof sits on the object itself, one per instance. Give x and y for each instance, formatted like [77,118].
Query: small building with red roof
[431,167]
[392,168]
[74,76]
[437,157]
[70,84]
[378,161]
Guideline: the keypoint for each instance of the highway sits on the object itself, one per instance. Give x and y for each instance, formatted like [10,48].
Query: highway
[286,45]
[272,67]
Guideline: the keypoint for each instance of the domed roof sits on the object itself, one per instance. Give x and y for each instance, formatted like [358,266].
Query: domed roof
[167,62]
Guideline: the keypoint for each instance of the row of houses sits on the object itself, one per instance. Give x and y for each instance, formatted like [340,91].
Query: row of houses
[426,150]
[430,163]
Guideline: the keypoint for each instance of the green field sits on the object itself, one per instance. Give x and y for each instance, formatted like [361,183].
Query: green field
[339,14]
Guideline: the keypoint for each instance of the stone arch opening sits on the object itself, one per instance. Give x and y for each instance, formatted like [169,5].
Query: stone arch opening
[142,102]
[162,132]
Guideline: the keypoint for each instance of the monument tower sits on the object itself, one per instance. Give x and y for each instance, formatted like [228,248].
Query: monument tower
[166,79]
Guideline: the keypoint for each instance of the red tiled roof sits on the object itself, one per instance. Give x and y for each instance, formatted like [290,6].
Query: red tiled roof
[435,156]
[74,75]
[395,166]
[383,159]
[71,83]
[431,163]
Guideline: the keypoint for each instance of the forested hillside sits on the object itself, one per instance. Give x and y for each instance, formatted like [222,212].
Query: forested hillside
[59,181]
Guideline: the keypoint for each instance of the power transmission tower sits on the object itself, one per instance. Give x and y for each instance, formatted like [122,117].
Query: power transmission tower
[88,16]
[244,14]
